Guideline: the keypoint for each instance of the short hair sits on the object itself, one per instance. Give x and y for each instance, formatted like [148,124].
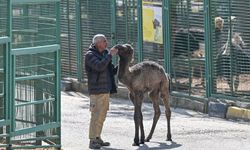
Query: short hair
[97,38]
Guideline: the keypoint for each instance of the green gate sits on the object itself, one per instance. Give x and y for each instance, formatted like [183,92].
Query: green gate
[35,74]
[4,99]
[4,74]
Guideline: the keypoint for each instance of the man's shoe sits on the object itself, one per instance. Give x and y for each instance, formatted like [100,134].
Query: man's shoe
[101,142]
[94,144]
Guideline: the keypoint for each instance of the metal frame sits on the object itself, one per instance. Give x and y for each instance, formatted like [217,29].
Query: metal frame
[11,79]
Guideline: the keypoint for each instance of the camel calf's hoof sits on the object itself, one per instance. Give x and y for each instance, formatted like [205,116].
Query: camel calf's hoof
[169,139]
[135,144]
[147,140]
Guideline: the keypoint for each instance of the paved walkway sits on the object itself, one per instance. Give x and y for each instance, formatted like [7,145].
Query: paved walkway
[190,130]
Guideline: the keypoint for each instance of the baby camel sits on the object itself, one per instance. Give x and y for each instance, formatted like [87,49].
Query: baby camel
[144,77]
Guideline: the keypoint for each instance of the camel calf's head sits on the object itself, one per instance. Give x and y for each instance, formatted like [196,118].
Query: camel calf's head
[125,50]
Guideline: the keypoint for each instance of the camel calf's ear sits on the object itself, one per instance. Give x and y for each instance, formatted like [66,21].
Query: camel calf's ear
[119,46]
[130,48]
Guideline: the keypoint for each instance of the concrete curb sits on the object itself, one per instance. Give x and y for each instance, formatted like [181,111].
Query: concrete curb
[214,107]
[238,113]
[217,109]
[122,93]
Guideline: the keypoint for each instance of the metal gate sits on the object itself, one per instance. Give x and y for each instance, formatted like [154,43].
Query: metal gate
[29,74]
[4,74]
[4,99]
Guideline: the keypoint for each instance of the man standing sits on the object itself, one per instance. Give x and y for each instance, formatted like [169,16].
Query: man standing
[101,83]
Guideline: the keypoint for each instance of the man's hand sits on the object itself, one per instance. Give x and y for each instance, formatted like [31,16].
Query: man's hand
[113,51]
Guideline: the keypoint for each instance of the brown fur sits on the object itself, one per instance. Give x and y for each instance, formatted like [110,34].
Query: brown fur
[145,77]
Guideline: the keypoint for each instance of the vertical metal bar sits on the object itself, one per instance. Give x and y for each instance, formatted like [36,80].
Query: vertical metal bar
[69,39]
[58,73]
[126,20]
[113,26]
[12,97]
[208,48]
[133,35]
[230,46]
[166,35]
[9,77]
[79,40]
[140,31]
[190,74]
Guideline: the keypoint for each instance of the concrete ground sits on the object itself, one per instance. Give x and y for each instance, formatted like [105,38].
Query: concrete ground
[190,130]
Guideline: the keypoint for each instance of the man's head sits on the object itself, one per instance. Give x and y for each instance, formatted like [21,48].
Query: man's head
[100,42]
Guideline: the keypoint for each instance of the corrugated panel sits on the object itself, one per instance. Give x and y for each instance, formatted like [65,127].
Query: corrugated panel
[68,39]
[95,19]
[187,47]
[34,25]
[230,56]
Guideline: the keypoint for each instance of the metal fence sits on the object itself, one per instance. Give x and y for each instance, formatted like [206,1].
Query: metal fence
[30,74]
[182,35]
[230,47]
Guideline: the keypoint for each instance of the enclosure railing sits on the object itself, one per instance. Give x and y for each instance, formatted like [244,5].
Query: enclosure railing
[205,58]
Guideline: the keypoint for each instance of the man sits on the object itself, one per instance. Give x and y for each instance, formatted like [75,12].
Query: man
[101,83]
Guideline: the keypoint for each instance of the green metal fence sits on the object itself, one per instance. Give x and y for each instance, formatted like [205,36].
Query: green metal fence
[4,74]
[35,57]
[81,21]
[69,38]
[187,47]
[230,48]
[180,34]
[30,74]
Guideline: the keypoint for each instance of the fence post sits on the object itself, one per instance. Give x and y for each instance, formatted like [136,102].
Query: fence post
[166,35]
[113,26]
[208,48]
[140,31]
[9,88]
[79,40]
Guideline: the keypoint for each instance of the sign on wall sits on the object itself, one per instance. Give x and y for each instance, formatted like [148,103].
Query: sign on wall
[152,21]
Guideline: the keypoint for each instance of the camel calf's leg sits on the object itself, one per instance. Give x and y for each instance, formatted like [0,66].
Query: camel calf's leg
[165,99]
[138,118]
[154,95]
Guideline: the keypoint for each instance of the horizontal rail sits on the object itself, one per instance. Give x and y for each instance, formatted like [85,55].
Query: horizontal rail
[237,98]
[34,77]
[32,1]
[36,129]
[35,102]
[4,135]
[32,147]
[35,50]
[38,138]
[4,40]
[4,122]
[4,145]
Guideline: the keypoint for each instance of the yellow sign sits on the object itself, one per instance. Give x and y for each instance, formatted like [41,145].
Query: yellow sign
[152,22]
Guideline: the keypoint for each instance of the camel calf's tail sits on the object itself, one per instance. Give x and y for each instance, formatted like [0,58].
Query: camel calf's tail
[165,86]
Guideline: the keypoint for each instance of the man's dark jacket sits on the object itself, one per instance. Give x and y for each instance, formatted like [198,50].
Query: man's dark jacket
[100,72]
